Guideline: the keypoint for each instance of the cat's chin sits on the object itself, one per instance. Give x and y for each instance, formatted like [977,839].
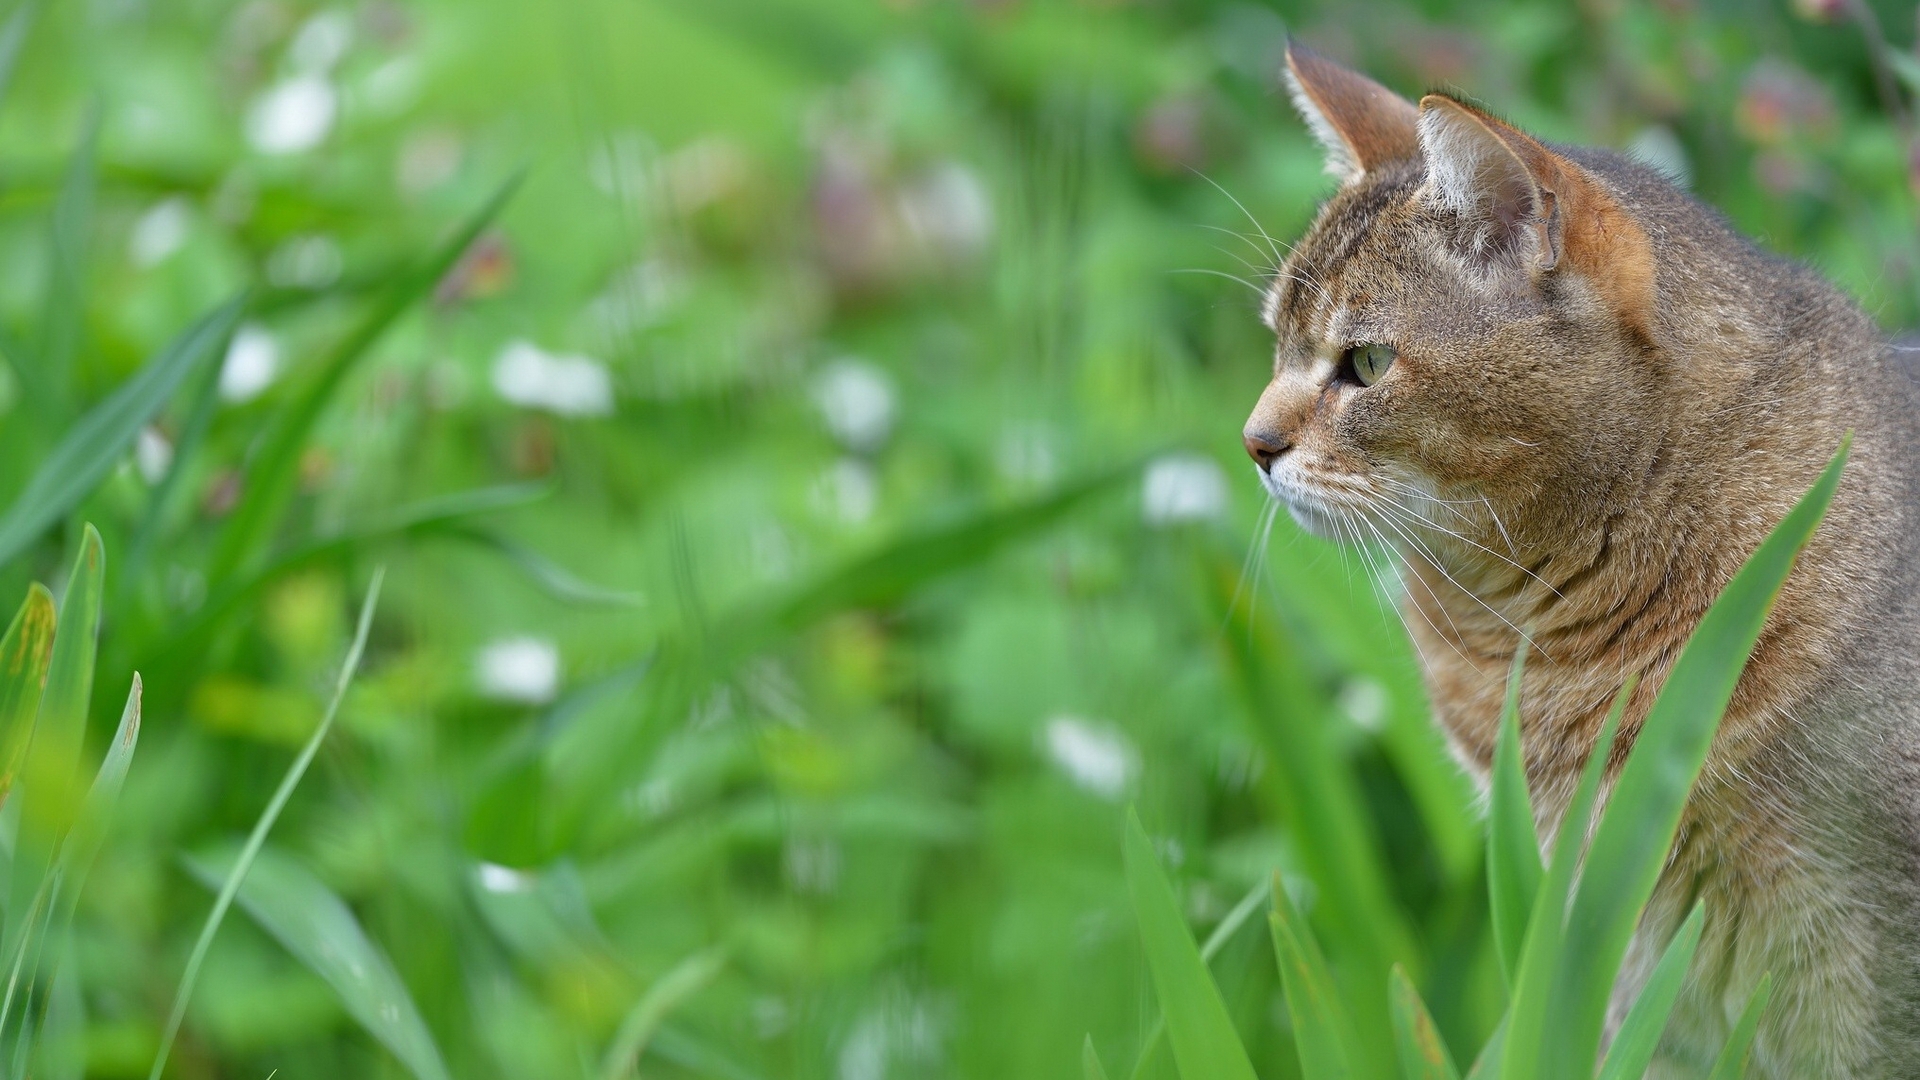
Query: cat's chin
[1314,520]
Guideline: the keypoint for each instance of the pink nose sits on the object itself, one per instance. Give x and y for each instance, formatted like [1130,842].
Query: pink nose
[1263,449]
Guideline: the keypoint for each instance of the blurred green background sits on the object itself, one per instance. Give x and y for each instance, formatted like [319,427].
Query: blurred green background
[813,508]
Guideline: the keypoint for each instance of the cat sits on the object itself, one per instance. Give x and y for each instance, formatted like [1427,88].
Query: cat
[1571,398]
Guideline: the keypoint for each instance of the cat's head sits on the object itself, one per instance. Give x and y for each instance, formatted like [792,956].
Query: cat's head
[1470,322]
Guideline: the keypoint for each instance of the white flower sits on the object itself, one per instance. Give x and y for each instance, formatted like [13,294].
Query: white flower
[1093,755]
[159,233]
[1365,702]
[948,209]
[293,116]
[520,669]
[505,879]
[856,399]
[1183,487]
[527,375]
[253,360]
[152,454]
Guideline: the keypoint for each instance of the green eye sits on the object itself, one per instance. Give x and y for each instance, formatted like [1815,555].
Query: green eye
[1369,363]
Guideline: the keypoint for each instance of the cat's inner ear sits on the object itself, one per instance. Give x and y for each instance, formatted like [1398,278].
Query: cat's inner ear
[1523,209]
[1503,184]
[1359,123]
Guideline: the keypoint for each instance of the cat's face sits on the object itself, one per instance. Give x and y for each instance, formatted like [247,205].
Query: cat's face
[1449,327]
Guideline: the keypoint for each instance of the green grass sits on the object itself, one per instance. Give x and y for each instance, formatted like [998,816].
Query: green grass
[845,720]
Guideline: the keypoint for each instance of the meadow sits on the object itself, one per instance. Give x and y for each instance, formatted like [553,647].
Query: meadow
[669,537]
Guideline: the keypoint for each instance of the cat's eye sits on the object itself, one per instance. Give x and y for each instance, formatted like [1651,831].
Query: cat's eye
[1368,363]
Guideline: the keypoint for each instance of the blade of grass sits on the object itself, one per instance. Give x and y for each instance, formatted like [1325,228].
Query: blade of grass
[1735,1056]
[1236,918]
[1513,845]
[1321,1031]
[65,305]
[316,926]
[684,980]
[1090,1067]
[1634,1044]
[258,837]
[96,442]
[1205,1044]
[25,653]
[272,473]
[49,790]
[1632,843]
[1423,1056]
[205,398]
[1526,1029]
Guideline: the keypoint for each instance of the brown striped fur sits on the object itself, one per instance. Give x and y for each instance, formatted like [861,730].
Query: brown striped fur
[1603,399]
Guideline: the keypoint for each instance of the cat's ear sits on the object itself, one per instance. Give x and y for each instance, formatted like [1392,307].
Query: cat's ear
[1361,124]
[1523,208]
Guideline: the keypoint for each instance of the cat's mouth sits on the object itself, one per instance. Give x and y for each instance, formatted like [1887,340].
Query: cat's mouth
[1320,509]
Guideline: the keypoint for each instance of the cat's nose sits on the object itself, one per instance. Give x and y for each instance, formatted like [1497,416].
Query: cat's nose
[1262,448]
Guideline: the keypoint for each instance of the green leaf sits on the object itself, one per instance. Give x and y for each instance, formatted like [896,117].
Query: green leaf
[258,838]
[1732,1063]
[1492,1053]
[1321,1031]
[1423,1056]
[98,440]
[686,979]
[1632,843]
[1205,1044]
[318,928]
[1634,1044]
[272,473]
[1513,846]
[1090,1067]
[1243,911]
[49,792]
[53,762]
[1527,1032]
[25,653]
[64,312]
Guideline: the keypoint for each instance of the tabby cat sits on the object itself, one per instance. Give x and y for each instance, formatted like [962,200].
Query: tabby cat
[1573,399]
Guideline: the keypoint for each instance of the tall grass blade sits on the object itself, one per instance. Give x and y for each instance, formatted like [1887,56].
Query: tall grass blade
[231,887]
[1236,918]
[1634,837]
[1090,1067]
[1634,1044]
[275,467]
[1527,1031]
[1513,845]
[318,928]
[1738,1053]
[98,440]
[684,980]
[63,316]
[1423,1056]
[1205,1044]
[49,790]
[1321,1030]
[25,653]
